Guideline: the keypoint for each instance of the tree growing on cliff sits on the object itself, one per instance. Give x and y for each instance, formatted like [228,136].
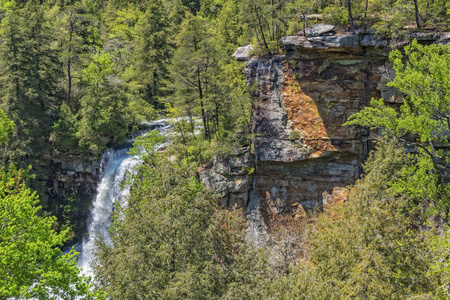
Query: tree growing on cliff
[423,122]
[31,262]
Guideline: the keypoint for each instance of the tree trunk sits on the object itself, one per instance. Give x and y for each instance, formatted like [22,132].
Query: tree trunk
[200,92]
[416,9]
[365,10]
[349,8]
[261,29]
[304,25]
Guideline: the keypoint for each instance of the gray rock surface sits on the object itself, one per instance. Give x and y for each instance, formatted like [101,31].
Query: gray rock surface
[243,53]
[270,122]
[389,94]
[321,42]
[373,40]
[319,29]
[360,39]
[444,39]
[228,176]
[338,41]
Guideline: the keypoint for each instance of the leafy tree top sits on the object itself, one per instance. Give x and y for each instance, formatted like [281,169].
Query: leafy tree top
[31,262]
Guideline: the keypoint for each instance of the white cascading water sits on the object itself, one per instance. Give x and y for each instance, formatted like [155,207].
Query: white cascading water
[115,166]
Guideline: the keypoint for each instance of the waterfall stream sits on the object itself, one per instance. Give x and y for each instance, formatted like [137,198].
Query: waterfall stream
[115,166]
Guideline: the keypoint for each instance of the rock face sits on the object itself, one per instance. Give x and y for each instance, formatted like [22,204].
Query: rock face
[230,177]
[302,156]
[75,177]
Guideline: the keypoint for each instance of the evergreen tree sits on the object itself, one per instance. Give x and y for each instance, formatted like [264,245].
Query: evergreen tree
[152,52]
[30,70]
[73,26]
[193,68]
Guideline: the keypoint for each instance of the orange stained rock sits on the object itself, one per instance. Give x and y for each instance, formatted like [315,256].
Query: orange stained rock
[304,115]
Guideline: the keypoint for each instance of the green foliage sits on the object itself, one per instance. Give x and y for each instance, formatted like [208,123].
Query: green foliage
[30,68]
[335,15]
[64,130]
[422,122]
[31,264]
[6,126]
[105,110]
[121,23]
[366,248]
[439,246]
[153,52]
[147,144]
[295,135]
[104,117]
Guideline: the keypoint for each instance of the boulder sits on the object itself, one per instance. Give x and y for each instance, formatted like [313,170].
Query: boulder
[243,53]
[320,29]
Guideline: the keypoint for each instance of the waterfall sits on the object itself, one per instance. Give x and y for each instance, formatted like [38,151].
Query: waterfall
[115,165]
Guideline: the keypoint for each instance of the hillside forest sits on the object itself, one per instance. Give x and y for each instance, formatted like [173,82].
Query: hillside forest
[80,76]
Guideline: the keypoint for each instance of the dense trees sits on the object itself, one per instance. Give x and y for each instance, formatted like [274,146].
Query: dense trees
[6,126]
[153,51]
[30,70]
[31,262]
[369,247]
[79,75]
[174,241]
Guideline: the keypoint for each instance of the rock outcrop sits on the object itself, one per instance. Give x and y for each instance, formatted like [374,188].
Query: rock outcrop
[302,156]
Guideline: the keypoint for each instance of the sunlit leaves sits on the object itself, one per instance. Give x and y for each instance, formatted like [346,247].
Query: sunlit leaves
[31,262]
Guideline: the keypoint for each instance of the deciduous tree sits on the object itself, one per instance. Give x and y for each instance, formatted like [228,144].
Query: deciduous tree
[31,262]
[423,122]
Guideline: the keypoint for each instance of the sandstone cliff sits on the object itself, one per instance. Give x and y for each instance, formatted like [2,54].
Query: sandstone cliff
[302,154]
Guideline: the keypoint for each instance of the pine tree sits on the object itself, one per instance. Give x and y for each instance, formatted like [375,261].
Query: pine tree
[153,52]
[29,94]
[193,68]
